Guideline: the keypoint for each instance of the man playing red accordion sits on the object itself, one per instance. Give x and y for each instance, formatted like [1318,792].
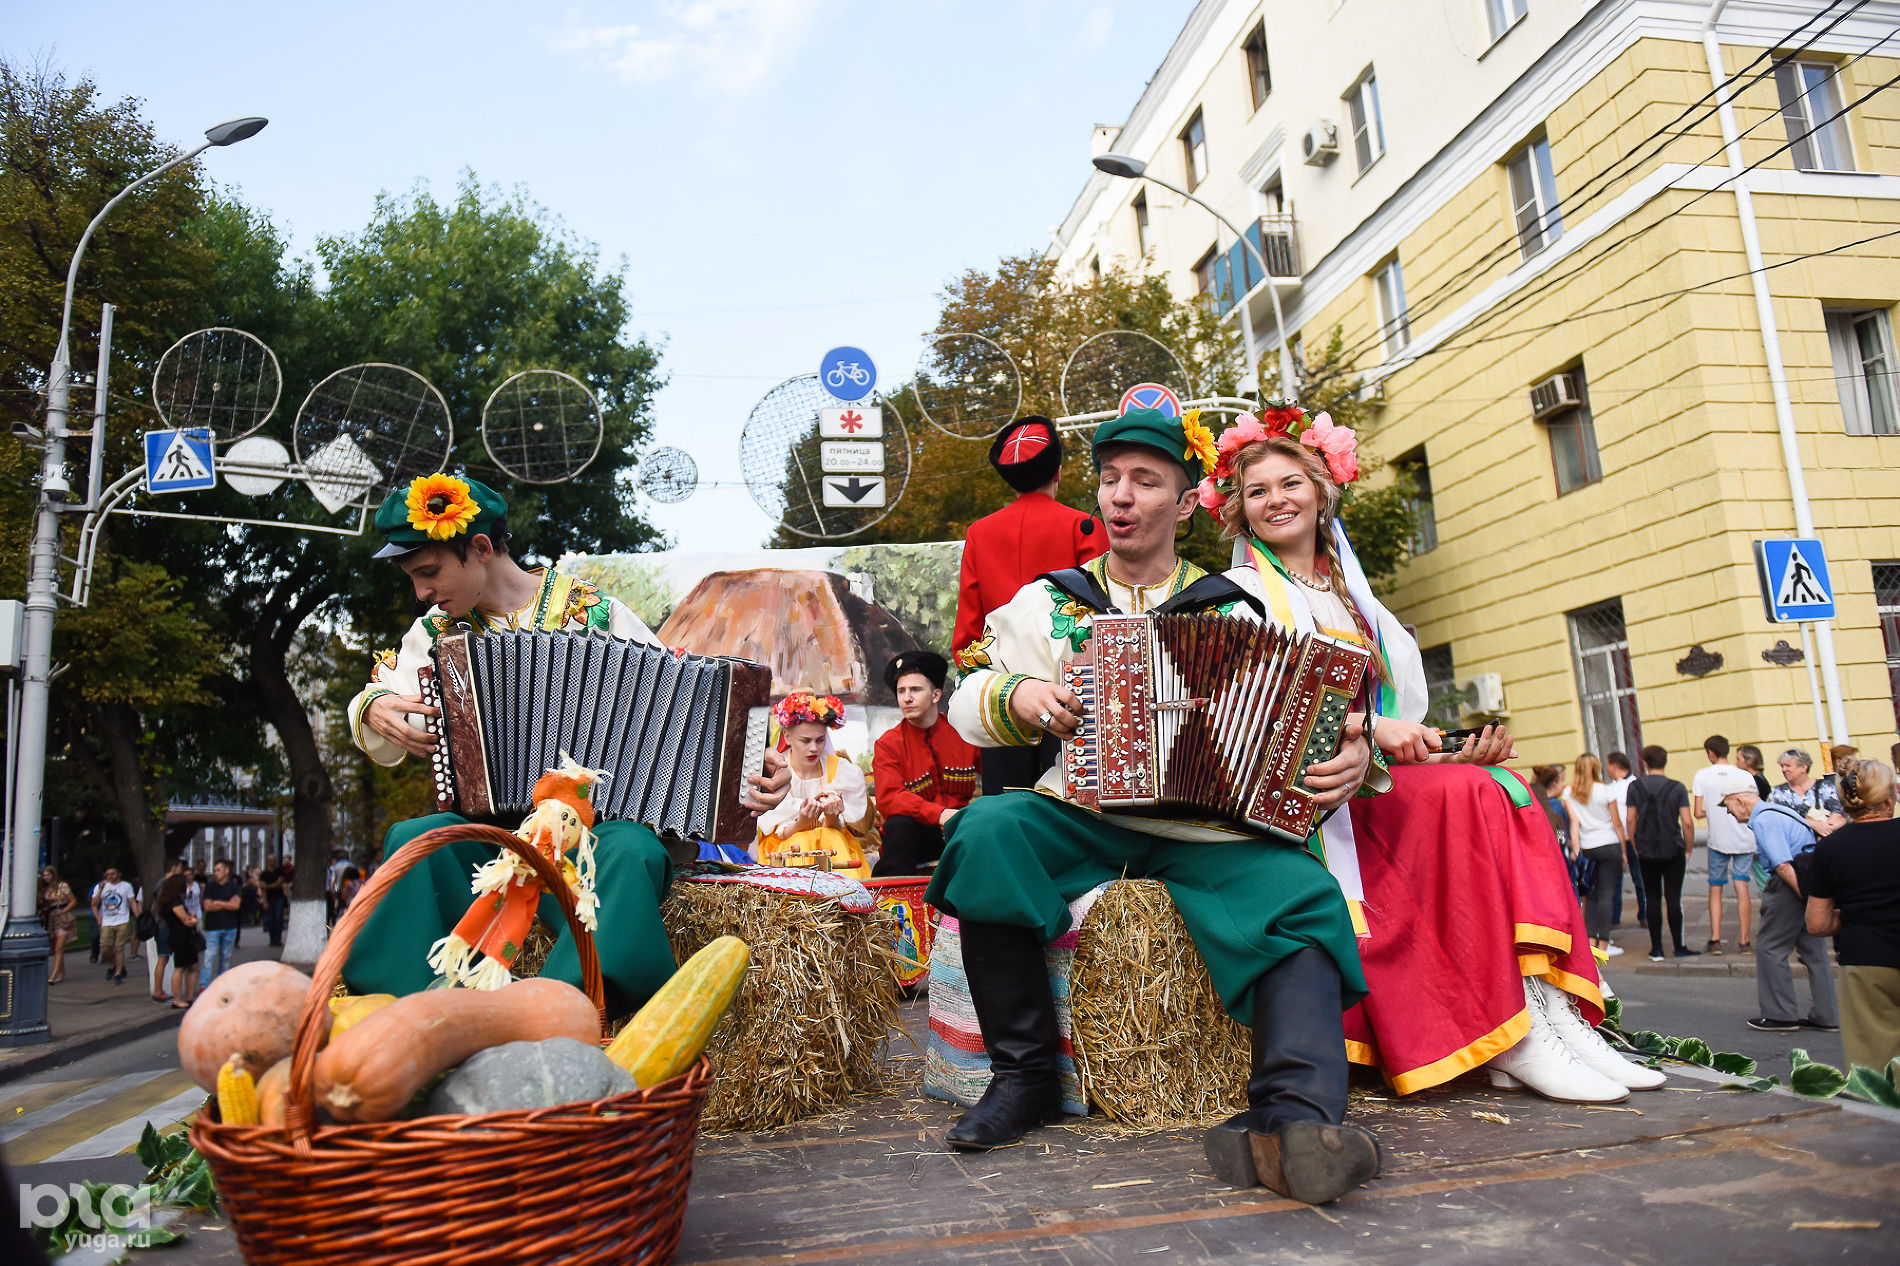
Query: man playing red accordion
[1266,916]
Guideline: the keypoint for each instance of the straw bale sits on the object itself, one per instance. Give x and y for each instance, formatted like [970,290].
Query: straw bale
[535,947]
[1152,1044]
[804,1032]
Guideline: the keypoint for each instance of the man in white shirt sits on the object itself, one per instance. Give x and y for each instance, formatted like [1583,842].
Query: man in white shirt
[1731,844]
[115,905]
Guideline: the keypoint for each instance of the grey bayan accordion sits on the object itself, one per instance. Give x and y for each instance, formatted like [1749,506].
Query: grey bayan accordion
[677,734]
[1209,713]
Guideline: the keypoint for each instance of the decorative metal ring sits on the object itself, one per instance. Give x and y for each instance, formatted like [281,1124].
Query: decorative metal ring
[1045,718]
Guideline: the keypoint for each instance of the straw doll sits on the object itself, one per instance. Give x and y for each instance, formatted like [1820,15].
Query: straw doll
[484,945]
[827,792]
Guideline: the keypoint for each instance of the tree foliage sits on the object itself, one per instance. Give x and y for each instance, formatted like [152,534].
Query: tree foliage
[202,636]
[1040,321]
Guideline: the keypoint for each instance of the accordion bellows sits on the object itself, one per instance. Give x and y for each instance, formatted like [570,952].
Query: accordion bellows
[1209,713]
[675,734]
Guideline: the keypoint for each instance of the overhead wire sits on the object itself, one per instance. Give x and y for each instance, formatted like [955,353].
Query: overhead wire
[1620,168]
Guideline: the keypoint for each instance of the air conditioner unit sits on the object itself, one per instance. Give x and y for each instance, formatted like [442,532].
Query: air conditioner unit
[1481,696]
[1320,145]
[1555,394]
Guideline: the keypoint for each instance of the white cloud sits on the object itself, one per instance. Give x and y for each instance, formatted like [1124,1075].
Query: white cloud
[737,44]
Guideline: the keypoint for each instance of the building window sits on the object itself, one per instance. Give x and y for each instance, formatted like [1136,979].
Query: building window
[1504,15]
[1194,149]
[1887,603]
[1862,345]
[1141,225]
[1415,465]
[1259,79]
[1095,268]
[1368,130]
[1204,272]
[1600,647]
[1810,101]
[1561,406]
[1394,324]
[1444,701]
[1534,198]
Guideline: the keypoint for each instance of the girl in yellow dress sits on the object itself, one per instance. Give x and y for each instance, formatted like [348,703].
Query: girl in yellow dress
[826,794]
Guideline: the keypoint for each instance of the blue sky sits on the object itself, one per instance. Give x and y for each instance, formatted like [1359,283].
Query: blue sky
[782,176]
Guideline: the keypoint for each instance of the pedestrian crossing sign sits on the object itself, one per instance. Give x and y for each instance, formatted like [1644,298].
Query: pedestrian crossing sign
[1794,581]
[179,460]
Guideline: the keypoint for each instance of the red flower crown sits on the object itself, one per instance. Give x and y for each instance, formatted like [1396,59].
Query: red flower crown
[1339,445]
[802,705]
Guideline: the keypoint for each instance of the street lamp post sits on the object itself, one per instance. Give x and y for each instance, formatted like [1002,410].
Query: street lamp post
[23,946]
[1131,168]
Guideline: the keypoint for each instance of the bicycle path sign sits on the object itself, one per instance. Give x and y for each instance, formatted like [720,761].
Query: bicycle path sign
[1794,581]
[179,461]
[847,373]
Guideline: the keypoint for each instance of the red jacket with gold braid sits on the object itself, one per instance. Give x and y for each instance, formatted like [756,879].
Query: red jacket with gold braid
[920,773]
[1004,551]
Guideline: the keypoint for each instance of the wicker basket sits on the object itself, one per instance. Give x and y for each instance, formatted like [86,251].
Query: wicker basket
[603,1181]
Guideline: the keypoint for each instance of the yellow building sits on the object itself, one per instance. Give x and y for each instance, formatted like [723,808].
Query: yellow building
[1523,217]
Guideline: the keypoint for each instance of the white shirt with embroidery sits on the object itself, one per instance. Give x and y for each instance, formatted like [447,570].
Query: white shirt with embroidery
[847,780]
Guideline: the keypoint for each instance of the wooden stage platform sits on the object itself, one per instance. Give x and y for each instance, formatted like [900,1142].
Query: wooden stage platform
[1686,1174]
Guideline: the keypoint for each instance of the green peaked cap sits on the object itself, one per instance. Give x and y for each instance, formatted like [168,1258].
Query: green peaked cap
[404,537]
[1152,428]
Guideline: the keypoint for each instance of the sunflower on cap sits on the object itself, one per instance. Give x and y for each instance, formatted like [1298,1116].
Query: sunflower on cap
[440,505]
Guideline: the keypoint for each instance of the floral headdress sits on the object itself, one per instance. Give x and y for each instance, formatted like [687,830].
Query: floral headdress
[1338,445]
[802,705]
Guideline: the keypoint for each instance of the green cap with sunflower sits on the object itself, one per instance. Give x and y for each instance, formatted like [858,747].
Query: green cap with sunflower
[438,507]
[1183,439]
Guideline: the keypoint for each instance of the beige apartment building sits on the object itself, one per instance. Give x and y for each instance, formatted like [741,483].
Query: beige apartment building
[1523,217]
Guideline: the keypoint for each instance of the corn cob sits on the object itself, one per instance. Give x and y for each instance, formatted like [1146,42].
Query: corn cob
[237,1094]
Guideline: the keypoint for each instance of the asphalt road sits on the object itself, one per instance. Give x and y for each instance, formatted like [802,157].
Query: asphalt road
[1717,1009]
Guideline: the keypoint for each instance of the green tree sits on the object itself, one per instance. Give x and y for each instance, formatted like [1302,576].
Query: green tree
[465,293]
[1039,321]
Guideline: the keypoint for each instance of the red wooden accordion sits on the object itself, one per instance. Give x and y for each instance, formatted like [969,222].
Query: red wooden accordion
[1217,715]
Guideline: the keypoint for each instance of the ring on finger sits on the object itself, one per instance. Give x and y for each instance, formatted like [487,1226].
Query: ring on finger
[1045,718]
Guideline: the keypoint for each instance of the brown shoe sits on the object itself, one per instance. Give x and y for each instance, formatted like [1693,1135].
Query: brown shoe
[1713,947]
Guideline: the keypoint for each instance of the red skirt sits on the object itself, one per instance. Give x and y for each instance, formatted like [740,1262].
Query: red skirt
[1466,894]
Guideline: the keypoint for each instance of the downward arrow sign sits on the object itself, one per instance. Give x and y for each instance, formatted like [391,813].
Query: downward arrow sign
[856,489]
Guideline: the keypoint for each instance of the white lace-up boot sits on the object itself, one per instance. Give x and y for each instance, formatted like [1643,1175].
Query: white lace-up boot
[1544,1062]
[1588,1044]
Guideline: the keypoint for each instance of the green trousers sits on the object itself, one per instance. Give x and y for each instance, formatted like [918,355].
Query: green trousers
[632,871]
[1021,857]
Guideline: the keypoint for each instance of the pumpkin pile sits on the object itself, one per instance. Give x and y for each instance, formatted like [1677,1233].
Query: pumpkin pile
[530,1044]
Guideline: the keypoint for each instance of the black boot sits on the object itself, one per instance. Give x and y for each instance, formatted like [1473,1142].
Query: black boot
[1290,1139]
[1009,988]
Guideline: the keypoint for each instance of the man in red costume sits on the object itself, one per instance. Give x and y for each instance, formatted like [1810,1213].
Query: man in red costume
[924,770]
[1006,550]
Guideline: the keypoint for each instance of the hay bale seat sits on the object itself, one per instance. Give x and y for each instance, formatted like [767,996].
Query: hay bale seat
[818,999]
[1144,1039]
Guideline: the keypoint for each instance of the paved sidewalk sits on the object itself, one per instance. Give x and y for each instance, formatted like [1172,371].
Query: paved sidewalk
[88,1013]
[1633,937]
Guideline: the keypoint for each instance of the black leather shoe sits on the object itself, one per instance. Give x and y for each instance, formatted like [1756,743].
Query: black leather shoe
[1291,1139]
[1016,1012]
[1009,1109]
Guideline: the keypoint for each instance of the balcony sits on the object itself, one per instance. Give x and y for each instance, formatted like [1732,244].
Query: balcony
[1277,239]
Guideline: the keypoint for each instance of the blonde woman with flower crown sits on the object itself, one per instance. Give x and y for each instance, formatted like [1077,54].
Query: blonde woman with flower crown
[1472,942]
